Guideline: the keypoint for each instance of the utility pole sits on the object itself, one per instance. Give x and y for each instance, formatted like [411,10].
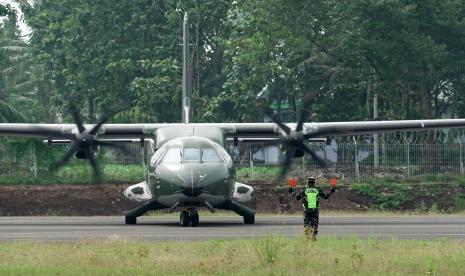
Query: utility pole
[186,72]
[375,136]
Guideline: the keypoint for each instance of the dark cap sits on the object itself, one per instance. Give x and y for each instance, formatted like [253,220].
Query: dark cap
[311,180]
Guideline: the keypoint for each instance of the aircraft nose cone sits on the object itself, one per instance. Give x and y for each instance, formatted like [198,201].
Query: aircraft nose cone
[192,179]
[192,191]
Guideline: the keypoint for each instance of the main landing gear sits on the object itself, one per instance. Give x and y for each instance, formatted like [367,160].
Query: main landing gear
[189,217]
[130,220]
[249,219]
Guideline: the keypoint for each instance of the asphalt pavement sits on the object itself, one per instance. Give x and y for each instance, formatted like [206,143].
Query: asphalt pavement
[164,228]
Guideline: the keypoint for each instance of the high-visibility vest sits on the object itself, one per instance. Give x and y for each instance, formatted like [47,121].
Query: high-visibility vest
[312,195]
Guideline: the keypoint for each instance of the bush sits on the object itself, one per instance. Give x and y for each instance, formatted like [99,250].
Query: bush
[268,249]
[387,196]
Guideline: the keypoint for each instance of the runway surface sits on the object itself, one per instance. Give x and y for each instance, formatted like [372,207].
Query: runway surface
[225,227]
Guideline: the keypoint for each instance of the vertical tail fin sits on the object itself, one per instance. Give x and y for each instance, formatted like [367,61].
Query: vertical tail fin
[186,72]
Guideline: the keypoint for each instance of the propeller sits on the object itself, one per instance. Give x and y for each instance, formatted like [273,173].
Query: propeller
[294,139]
[84,142]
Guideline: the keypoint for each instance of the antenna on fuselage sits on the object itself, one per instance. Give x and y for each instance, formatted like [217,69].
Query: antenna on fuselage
[186,72]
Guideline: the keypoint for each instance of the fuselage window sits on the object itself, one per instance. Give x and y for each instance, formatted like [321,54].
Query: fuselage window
[210,155]
[173,155]
[191,155]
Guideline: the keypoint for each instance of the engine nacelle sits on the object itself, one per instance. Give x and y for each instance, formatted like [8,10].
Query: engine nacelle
[243,192]
[138,192]
[81,155]
[84,155]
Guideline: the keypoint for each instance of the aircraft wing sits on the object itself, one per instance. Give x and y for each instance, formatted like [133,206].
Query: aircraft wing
[368,127]
[130,131]
[64,131]
[232,130]
[321,130]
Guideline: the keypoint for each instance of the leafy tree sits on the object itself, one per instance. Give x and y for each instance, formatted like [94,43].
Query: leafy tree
[4,10]
[102,53]
[257,54]
[97,54]
[413,46]
[407,52]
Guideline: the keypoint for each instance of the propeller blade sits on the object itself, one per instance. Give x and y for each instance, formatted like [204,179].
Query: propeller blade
[45,132]
[315,157]
[272,116]
[310,135]
[71,151]
[304,113]
[287,162]
[96,169]
[105,116]
[122,147]
[76,117]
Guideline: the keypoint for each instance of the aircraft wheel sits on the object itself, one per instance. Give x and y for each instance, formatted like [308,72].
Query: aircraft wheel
[194,218]
[184,219]
[249,219]
[130,220]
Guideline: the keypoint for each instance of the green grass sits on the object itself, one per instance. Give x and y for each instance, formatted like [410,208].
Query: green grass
[272,255]
[259,173]
[79,174]
[439,193]
[417,180]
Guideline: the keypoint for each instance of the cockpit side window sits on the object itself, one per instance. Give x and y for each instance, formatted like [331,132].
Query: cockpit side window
[173,155]
[210,155]
[191,155]
[156,157]
[224,155]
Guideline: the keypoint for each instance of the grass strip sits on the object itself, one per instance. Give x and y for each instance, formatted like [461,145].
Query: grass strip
[79,174]
[271,255]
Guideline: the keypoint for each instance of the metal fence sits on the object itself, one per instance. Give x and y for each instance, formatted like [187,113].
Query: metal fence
[29,159]
[400,155]
[359,157]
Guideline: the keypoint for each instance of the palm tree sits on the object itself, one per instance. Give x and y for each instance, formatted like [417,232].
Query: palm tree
[17,85]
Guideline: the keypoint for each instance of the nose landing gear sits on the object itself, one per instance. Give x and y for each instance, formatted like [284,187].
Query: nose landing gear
[189,217]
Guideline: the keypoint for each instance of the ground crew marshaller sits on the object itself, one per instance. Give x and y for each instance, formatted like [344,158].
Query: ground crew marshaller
[311,204]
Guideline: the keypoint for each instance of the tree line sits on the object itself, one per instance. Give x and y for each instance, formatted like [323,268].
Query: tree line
[98,54]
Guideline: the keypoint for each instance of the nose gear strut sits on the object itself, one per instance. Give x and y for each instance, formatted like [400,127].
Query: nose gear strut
[189,217]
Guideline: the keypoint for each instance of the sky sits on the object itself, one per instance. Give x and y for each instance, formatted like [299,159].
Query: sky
[25,30]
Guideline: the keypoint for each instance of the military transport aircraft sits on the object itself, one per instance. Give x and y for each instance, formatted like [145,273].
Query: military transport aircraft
[189,167]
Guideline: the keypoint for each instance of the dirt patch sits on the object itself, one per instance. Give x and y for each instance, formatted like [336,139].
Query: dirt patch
[280,201]
[68,200]
[80,200]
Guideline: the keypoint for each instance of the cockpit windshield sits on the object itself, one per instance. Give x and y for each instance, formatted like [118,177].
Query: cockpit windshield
[179,155]
[210,155]
[191,155]
[173,155]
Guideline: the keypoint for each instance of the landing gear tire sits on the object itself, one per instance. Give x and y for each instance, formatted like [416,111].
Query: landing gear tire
[184,219]
[194,218]
[130,220]
[249,219]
